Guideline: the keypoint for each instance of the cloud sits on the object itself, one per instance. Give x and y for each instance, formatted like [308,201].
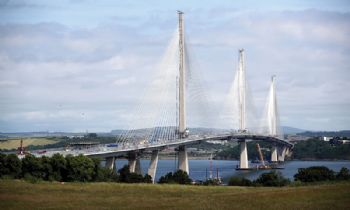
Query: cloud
[51,72]
[124,81]
[6,83]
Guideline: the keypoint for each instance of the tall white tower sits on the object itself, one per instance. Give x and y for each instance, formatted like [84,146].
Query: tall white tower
[241,92]
[272,115]
[182,85]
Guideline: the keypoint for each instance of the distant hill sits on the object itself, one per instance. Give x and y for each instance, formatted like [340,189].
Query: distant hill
[291,130]
[343,133]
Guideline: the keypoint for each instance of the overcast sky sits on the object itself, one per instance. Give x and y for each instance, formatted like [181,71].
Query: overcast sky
[76,65]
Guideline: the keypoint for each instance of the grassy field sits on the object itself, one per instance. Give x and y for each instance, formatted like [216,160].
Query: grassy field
[15,194]
[15,143]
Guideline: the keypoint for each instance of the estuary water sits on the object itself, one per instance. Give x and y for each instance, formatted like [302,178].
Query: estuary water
[200,169]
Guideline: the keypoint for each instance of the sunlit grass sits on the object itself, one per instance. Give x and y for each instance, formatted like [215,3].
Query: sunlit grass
[15,194]
[14,143]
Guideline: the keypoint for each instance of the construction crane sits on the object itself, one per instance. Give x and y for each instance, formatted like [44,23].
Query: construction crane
[261,157]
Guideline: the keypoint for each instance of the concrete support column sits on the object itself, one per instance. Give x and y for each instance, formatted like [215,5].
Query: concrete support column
[274,154]
[183,159]
[110,163]
[152,169]
[282,154]
[134,163]
[243,161]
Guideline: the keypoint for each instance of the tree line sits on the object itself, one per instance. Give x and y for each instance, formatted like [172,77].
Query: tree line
[64,169]
[304,175]
[312,149]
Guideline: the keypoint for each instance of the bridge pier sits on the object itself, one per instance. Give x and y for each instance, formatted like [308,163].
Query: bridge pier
[152,169]
[274,154]
[243,161]
[183,159]
[110,163]
[134,163]
[282,154]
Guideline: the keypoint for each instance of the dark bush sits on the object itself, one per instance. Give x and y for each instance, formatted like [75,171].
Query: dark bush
[13,166]
[126,176]
[32,166]
[343,174]
[168,178]
[239,181]
[212,182]
[80,168]
[272,178]
[314,174]
[59,167]
[179,177]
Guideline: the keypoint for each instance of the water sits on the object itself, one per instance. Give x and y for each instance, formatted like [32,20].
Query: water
[199,169]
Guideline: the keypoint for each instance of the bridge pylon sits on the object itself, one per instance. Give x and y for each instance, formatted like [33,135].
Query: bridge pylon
[134,163]
[183,131]
[152,169]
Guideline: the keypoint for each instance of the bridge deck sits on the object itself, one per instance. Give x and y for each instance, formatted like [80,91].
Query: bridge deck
[104,151]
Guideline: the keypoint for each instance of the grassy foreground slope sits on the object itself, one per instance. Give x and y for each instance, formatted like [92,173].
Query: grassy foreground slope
[15,194]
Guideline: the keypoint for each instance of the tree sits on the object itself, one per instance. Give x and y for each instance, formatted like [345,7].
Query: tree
[124,174]
[46,168]
[80,168]
[11,166]
[3,168]
[179,177]
[343,174]
[239,181]
[272,178]
[314,174]
[59,167]
[31,166]
[182,177]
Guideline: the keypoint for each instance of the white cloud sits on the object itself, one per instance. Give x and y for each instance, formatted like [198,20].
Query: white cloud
[104,70]
[124,81]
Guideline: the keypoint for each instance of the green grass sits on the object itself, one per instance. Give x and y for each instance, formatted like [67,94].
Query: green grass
[16,142]
[17,194]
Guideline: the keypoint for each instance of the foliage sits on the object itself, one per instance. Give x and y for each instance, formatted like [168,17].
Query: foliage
[10,165]
[314,174]
[239,181]
[179,177]
[80,168]
[59,167]
[128,177]
[55,168]
[31,166]
[343,174]
[272,178]
[317,149]
[212,182]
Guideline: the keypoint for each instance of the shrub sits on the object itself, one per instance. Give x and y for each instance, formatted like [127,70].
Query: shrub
[179,177]
[343,174]
[13,166]
[272,178]
[80,168]
[212,182]
[239,181]
[314,174]
[126,176]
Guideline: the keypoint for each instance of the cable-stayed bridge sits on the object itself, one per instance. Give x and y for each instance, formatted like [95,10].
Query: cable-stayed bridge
[176,100]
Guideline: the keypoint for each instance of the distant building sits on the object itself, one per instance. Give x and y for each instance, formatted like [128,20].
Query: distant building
[326,138]
[344,141]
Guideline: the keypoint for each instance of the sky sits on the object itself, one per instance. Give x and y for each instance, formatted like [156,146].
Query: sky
[77,65]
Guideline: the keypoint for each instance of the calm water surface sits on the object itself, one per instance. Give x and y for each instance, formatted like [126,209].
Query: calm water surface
[200,169]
